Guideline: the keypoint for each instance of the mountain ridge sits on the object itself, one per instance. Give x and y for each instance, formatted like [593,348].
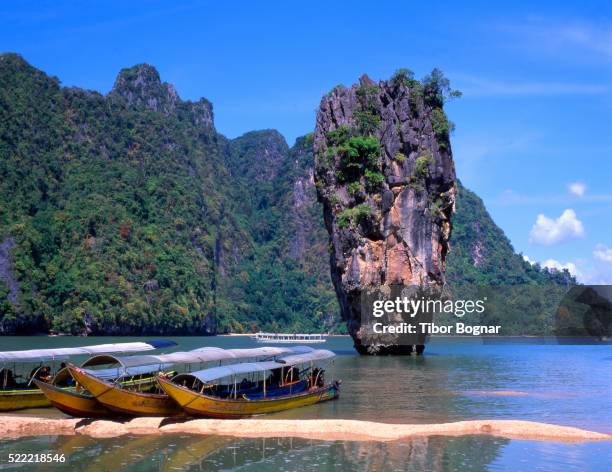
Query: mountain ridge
[128,213]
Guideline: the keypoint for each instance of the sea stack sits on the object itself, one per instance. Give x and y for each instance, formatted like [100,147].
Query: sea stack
[386,179]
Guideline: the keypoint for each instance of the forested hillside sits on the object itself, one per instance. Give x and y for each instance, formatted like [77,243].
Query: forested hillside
[128,213]
[482,254]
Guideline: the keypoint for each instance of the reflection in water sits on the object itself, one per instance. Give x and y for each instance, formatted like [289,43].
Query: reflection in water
[207,453]
[199,453]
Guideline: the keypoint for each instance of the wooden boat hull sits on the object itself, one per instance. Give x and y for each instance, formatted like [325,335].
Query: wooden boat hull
[73,403]
[11,400]
[123,401]
[212,407]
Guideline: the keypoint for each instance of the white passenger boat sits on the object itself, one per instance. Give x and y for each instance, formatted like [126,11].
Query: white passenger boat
[289,338]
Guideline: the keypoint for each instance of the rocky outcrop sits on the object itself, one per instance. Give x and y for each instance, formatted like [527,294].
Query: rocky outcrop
[386,178]
[140,87]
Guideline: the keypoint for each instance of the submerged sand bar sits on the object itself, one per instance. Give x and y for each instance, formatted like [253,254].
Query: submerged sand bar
[352,430]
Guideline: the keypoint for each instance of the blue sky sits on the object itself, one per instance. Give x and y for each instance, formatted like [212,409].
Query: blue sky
[533,127]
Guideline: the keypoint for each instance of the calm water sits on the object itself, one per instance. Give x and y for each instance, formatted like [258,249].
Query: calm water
[570,385]
[211,453]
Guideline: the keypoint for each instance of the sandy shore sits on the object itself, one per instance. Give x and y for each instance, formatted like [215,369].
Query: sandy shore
[353,430]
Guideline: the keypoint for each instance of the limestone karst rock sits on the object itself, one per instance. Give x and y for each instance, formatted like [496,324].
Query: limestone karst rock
[386,178]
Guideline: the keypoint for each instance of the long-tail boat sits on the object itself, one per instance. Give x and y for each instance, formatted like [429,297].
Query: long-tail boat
[137,373]
[217,392]
[154,402]
[19,369]
[79,402]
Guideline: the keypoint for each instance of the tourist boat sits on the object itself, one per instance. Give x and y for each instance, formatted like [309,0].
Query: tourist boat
[131,401]
[19,370]
[74,402]
[217,392]
[77,401]
[288,338]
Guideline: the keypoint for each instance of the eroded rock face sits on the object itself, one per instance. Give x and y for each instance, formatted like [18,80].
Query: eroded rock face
[386,178]
[141,87]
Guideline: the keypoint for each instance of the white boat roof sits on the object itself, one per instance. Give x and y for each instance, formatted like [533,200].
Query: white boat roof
[113,373]
[215,373]
[315,355]
[203,354]
[41,355]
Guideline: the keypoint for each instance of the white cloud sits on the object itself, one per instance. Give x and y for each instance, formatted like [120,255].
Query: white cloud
[556,265]
[603,253]
[577,188]
[547,231]
[527,259]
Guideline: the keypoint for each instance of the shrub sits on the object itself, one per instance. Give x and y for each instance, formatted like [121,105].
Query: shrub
[356,153]
[437,89]
[374,179]
[436,207]
[354,188]
[404,77]
[421,168]
[309,139]
[400,157]
[440,124]
[340,135]
[367,117]
[352,216]
[367,122]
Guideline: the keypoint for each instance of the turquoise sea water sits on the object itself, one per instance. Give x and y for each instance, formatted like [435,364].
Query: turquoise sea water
[561,384]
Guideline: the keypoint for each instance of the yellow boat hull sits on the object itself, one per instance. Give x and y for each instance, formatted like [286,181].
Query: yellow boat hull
[123,401]
[21,399]
[203,405]
[73,403]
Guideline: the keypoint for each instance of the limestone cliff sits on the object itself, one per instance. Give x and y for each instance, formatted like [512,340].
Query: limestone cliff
[128,213]
[386,178]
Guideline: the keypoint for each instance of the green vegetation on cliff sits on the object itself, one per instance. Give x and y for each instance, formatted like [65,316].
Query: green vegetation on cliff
[129,214]
[114,209]
[283,283]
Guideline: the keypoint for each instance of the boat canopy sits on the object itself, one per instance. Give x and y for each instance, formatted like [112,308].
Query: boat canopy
[200,355]
[113,373]
[216,373]
[42,355]
[315,355]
